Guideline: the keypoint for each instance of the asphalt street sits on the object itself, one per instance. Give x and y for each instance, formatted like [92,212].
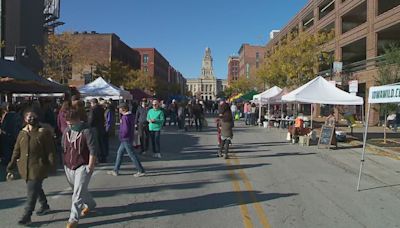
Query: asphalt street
[267,182]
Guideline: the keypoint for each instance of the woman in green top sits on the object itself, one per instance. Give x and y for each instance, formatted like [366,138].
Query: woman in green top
[156,119]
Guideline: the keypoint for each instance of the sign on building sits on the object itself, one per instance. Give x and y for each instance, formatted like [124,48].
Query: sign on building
[337,67]
[52,9]
[384,94]
[353,86]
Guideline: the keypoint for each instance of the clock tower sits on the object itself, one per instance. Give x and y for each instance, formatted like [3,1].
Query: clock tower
[207,71]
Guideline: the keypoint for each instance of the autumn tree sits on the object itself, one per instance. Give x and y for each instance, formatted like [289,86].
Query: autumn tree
[242,85]
[57,56]
[389,73]
[139,79]
[295,61]
[116,72]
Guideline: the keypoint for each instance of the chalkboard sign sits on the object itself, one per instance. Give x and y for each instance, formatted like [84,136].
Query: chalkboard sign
[325,138]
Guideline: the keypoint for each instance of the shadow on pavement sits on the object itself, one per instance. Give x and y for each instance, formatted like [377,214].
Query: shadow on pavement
[108,192]
[154,209]
[276,155]
[200,168]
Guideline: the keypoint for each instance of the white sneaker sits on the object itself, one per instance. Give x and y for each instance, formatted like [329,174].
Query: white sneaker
[157,155]
[112,172]
[139,174]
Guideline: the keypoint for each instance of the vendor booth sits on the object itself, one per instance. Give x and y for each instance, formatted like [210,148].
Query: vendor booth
[99,88]
[265,98]
[377,95]
[15,78]
[320,91]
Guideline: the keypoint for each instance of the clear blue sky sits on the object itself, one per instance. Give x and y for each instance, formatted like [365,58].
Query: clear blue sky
[182,29]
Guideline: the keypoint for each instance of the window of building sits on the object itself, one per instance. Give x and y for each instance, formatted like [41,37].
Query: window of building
[355,17]
[326,7]
[308,21]
[257,64]
[385,5]
[145,58]
[145,69]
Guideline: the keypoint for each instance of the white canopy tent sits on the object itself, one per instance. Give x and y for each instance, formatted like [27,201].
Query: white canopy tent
[101,88]
[377,95]
[265,97]
[320,91]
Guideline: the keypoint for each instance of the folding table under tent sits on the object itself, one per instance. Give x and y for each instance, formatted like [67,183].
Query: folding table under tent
[378,95]
[265,98]
[320,91]
[100,88]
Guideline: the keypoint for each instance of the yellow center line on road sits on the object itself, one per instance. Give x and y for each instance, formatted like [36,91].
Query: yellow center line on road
[243,208]
[259,209]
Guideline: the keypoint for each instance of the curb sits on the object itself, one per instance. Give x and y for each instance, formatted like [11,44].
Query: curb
[377,150]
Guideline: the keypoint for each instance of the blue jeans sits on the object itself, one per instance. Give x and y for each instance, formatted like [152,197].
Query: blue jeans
[129,149]
[155,141]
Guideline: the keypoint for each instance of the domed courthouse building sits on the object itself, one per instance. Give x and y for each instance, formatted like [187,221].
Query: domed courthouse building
[207,86]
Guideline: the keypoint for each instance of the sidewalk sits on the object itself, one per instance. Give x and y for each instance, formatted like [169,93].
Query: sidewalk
[382,167]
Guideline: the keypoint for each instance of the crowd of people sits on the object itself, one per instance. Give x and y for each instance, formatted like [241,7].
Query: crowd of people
[80,131]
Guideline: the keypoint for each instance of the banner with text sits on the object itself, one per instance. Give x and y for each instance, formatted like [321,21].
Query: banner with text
[384,94]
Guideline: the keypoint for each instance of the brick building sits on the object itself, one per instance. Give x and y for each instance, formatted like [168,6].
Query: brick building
[362,29]
[250,60]
[233,68]
[96,49]
[167,77]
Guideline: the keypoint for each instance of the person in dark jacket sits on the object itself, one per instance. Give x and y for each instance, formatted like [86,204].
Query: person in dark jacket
[97,121]
[80,148]
[34,154]
[126,134]
[198,113]
[9,128]
[142,126]
[226,124]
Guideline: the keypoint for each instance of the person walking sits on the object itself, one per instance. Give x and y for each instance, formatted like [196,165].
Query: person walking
[97,121]
[198,115]
[234,110]
[156,120]
[126,134]
[9,127]
[226,123]
[34,154]
[247,111]
[80,147]
[173,112]
[181,116]
[142,126]
[109,116]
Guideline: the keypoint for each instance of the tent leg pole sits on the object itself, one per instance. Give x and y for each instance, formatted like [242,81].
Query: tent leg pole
[362,114]
[268,114]
[363,150]
[259,113]
[312,105]
[281,123]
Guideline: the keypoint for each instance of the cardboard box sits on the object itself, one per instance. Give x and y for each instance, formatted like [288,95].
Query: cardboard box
[304,140]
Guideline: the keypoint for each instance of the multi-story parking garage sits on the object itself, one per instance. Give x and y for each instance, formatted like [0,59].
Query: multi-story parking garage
[362,28]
